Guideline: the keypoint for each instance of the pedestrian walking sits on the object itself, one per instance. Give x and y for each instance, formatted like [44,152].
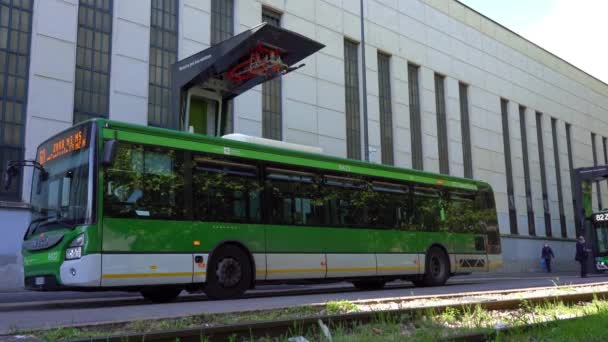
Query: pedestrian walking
[582,253]
[547,255]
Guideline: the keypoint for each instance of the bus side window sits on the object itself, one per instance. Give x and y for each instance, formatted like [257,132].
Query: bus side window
[485,204]
[348,200]
[145,182]
[294,197]
[390,209]
[461,212]
[427,209]
[225,190]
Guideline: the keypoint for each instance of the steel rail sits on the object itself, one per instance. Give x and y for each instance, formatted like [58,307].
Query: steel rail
[195,297]
[301,326]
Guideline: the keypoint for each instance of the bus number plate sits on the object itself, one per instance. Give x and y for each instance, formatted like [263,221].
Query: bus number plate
[39,281]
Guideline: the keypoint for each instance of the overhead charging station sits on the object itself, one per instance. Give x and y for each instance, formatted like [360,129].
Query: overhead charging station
[204,83]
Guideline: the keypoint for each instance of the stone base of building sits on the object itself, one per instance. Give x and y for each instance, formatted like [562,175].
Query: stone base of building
[523,254]
[11,274]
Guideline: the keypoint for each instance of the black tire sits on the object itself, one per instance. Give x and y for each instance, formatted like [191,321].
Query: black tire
[366,285]
[437,268]
[229,273]
[161,294]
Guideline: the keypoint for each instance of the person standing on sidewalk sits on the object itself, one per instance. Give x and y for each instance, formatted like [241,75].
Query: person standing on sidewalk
[547,255]
[582,253]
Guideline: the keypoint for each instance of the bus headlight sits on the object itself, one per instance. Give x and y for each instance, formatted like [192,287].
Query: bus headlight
[73,253]
[75,249]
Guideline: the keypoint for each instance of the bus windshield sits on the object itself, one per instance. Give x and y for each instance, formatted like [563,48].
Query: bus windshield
[601,232]
[60,196]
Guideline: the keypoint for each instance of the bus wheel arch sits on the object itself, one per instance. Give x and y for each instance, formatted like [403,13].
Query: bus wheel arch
[437,268]
[236,255]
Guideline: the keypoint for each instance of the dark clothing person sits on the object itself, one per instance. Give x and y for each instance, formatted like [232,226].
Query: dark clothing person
[547,255]
[582,253]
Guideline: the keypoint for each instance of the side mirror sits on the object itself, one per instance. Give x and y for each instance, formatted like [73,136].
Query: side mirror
[109,152]
[7,177]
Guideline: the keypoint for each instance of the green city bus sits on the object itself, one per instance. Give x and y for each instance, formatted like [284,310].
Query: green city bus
[599,224]
[118,206]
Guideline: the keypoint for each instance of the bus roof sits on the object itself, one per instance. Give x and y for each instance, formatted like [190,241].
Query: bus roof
[360,167]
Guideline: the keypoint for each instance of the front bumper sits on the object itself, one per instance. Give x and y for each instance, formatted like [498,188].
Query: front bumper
[46,282]
[81,273]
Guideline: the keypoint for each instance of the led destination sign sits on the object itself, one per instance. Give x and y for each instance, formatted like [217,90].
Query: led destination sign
[65,143]
[601,217]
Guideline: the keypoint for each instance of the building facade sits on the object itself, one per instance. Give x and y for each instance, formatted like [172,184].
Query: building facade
[447,90]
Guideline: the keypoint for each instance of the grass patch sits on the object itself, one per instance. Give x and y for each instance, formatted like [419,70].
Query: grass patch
[591,328]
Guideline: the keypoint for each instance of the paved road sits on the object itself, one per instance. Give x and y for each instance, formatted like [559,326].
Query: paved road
[29,310]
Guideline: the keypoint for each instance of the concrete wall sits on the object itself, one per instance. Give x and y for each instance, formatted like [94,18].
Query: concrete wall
[14,223]
[440,36]
[524,255]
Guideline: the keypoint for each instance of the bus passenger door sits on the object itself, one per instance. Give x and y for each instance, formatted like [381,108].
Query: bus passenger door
[144,237]
[294,245]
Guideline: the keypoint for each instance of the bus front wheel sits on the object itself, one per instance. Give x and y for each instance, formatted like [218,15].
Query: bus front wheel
[437,269]
[228,273]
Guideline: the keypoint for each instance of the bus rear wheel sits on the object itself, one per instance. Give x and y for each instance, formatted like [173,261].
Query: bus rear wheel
[369,284]
[161,294]
[228,274]
[437,269]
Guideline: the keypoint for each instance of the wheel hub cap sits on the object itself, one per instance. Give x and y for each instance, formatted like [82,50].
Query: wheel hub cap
[229,272]
[435,266]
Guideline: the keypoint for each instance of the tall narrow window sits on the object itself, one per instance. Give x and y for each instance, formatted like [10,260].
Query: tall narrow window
[504,106]
[605,145]
[222,28]
[558,177]
[543,173]
[222,20]
[386,112]
[442,125]
[15,35]
[597,184]
[163,53]
[571,168]
[465,128]
[415,118]
[93,51]
[271,92]
[526,160]
[351,89]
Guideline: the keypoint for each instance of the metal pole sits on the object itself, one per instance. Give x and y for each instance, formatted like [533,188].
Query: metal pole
[365,134]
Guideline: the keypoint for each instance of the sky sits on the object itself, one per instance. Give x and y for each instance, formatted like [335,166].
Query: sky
[574,30]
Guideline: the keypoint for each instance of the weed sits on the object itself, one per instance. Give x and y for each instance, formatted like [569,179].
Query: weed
[341,307]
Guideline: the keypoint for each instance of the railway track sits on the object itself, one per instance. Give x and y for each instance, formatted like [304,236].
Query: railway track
[300,326]
[137,300]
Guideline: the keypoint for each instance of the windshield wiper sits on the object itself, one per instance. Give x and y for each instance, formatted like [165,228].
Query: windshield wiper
[47,220]
[27,231]
[57,219]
